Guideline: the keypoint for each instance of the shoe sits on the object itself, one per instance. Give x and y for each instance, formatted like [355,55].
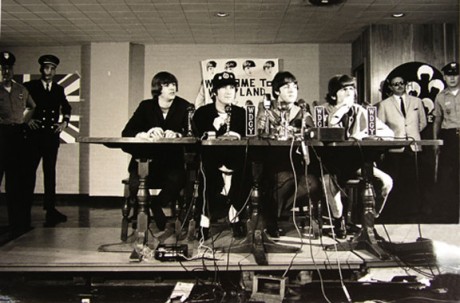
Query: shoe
[352,229]
[53,217]
[275,232]
[238,230]
[159,216]
[340,228]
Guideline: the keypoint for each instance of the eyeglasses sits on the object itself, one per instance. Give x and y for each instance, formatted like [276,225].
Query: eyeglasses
[397,84]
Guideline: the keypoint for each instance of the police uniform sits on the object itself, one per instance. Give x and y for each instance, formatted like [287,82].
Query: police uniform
[14,100]
[51,102]
[447,106]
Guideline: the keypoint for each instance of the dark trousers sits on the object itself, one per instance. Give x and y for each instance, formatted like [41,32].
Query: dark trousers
[14,163]
[448,173]
[168,176]
[44,146]
[404,200]
[217,204]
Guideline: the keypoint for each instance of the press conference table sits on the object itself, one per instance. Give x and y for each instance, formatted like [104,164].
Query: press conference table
[369,149]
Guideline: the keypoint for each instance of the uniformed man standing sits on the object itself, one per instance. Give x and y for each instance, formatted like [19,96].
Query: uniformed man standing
[446,127]
[45,129]
[16,109]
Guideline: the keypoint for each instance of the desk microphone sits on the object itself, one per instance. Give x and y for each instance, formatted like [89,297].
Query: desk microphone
[228,111]
[190,112]
[283,107]
[304,108]
[227,135]
[267,104]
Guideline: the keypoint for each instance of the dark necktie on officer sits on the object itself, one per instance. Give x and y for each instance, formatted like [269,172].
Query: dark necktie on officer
[47,87]
[403,109]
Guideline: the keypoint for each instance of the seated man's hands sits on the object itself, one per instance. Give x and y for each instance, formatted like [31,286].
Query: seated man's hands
[234,134]
[156,132]
[171,134]
[143,135]
[219,121]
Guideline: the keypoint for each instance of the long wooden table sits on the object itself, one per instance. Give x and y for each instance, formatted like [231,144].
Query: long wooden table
[256,241]
[142,150]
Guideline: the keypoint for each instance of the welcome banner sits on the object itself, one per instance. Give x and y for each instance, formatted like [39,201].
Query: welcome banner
[254,78]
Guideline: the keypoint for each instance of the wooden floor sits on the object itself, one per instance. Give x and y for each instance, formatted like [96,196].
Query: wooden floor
[95,249]
[85,258]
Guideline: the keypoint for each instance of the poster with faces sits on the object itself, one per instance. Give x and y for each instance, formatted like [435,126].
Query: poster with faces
[254,78]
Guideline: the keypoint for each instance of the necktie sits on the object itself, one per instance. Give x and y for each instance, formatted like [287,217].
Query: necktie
[403,109]
[47,87]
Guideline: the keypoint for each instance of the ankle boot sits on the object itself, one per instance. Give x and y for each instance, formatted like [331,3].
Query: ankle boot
[340,228]
[238,230]
[159,216]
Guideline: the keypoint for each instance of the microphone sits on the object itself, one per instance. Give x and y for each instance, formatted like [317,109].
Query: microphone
[190,112]
[283,107]
[267,102]
[228,111]
[250,119]
[304,107]
[268,118]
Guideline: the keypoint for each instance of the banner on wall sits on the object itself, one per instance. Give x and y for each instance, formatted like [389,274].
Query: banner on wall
[71,84]
[254,78]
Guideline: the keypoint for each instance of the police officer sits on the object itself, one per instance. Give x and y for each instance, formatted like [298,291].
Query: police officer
[16,109]
[447,128]
[45,128]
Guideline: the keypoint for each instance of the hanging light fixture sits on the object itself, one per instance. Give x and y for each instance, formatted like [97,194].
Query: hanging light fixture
[325,2]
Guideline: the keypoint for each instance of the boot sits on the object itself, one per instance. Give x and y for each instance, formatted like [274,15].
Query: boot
[238,230]
[159,216]
[340,228]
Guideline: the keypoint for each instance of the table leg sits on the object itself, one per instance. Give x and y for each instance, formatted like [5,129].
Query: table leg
[143,217]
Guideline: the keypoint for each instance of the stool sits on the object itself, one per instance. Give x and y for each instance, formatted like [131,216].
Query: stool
[352,190]
[351,206]
[130,206]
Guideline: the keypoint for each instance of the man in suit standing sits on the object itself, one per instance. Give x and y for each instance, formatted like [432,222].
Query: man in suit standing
[44,132]
[405,115]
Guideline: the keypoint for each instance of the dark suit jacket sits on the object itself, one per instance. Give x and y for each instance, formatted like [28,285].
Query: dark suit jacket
[149,115]
[49,104]
[205,115]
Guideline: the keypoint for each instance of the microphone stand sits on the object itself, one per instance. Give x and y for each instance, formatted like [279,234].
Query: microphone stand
[227,135]
[266,134]
[190,111]
[283,107]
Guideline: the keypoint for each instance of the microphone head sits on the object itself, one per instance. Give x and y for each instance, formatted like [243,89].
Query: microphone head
[228,108]
[267,102]
[249,103]
[302,103]
[283,106]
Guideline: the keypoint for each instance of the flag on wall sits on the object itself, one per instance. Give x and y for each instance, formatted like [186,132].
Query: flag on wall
[254,78]
[71,84]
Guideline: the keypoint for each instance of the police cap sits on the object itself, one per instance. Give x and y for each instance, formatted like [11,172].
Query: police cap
[48,59]
[450,69]
[7,58]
